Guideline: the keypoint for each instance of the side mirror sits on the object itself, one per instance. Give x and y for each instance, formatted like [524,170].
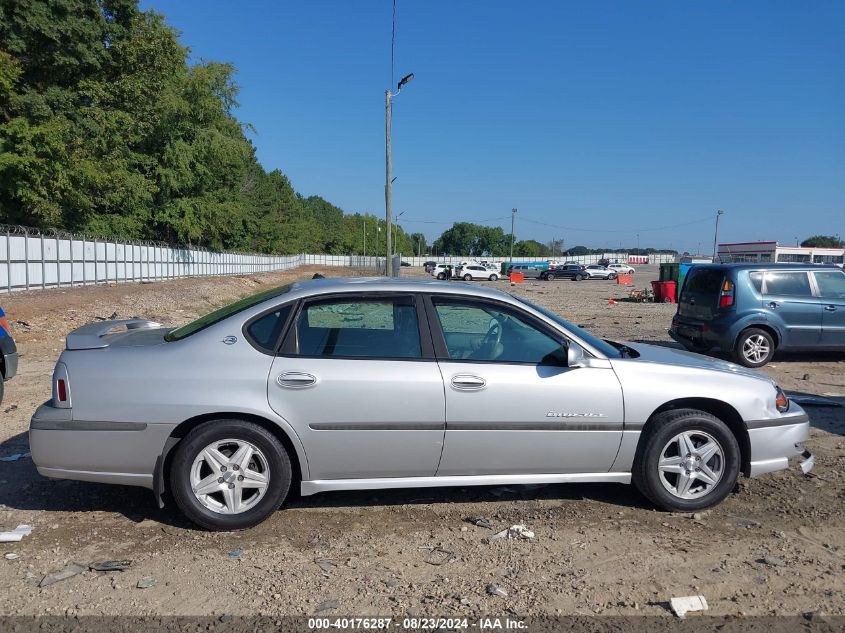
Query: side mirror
[575,356]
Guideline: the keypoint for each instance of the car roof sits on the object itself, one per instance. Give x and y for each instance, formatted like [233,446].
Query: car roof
[770,266]
[330,285]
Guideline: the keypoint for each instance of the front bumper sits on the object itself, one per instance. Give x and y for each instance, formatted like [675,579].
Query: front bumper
[107,452]
[775,442]
[9,351]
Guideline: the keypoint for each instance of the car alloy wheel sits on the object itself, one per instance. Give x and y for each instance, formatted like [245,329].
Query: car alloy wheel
[755,348]
[691,464]
[612,276]
[467,277]
[493,277]
[230,476]
[686,460]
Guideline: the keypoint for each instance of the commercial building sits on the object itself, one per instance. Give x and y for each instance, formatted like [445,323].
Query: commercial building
[773,252]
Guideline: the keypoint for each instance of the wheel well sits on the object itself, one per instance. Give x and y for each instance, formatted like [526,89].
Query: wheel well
[188,425]
[761,326]
[722,410]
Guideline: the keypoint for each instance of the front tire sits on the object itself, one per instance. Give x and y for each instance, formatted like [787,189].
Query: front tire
[611,276]
[580,277]
[687,460]
[467,277]
[441,276]
[754,348]
[229,475]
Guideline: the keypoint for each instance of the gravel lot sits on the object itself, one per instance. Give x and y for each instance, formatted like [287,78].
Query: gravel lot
[775,547]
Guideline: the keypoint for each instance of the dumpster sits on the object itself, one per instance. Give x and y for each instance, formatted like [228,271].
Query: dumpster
[664,291]
[669,271]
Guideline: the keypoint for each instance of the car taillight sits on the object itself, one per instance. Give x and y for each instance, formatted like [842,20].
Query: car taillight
[4,324]
[781,401]
[61,387]
[726,296]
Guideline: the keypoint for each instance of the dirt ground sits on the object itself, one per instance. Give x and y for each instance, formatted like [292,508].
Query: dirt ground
[775,547]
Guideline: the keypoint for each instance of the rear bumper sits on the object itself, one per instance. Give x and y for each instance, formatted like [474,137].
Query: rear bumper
[775,442]
[107,452]
[9,352]
[715,333]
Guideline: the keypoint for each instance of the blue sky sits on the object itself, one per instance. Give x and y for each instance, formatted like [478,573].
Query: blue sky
[602,119]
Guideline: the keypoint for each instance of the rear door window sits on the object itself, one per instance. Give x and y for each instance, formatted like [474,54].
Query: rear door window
[791,284]
[377,328]
[831,284]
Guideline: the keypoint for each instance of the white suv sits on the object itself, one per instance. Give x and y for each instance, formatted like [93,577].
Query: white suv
[621,269]
[475,271]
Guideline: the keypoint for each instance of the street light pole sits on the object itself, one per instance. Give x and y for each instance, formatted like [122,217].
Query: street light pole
[513,216]
[719,213]
[365,235]
[388,181]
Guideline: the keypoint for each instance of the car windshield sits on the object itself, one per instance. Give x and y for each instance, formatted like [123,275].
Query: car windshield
[604,347]
[224,312]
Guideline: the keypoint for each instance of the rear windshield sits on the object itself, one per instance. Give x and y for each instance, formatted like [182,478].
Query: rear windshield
[704,281]
[218,315]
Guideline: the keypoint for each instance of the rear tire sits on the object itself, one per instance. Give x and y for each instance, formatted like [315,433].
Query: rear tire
[441,276]
[666,470]
[754,347]
[580,277]
[270,459]
[546,277]
[493,277]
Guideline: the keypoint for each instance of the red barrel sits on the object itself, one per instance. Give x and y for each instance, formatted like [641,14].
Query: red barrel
[657,288]
[664,291]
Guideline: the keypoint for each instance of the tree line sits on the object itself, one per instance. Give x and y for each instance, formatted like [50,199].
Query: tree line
[475,240]
[105,128]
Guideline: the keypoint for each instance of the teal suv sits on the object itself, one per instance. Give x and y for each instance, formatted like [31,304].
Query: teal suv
[753,310]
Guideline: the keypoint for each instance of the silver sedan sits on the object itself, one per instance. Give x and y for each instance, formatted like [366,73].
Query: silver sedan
[349,384]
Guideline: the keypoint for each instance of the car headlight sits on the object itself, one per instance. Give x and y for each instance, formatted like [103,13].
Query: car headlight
[781,401]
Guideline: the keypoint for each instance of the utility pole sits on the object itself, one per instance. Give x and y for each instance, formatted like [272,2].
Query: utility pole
[513,216]
[388,181]
[365,235]
[719,212]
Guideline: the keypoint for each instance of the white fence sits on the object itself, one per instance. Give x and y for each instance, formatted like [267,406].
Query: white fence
[31,260]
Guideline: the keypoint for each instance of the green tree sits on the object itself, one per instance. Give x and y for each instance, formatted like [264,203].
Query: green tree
[823,241]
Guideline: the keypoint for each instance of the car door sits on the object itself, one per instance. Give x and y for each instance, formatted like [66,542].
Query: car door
[357,379]
[788,296]
[831,289]
[512,404]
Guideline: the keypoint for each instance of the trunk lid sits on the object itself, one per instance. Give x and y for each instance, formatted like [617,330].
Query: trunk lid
[700,295]
[124,332]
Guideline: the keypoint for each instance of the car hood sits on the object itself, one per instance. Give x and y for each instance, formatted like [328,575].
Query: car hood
[670,356]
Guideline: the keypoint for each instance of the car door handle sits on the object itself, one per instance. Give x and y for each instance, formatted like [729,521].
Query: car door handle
[468,382]
[296,380]
[830,308]
[773,304]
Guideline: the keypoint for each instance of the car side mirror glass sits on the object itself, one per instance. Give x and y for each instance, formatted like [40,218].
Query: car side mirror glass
[575,356]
